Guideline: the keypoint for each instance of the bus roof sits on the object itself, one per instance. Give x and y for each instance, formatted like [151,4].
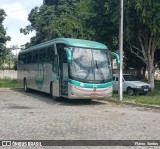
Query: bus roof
[83,43]
[71,42]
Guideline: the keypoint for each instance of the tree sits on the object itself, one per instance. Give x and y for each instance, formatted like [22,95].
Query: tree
[72,22]
[142,31]
[3,38]
[50,2]
[63,18]
[105,22]
[131,61]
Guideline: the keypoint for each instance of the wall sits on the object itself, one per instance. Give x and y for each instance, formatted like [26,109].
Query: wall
[12,74]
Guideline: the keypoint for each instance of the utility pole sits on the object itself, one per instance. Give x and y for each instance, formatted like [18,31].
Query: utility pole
[120,82]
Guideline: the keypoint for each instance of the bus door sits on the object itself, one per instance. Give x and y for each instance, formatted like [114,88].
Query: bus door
[56,78]
[64,75]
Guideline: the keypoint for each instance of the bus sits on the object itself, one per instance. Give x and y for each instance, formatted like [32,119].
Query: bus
[67,67]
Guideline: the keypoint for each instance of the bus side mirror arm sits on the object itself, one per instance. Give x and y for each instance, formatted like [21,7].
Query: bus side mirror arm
[117,57]
[69,57]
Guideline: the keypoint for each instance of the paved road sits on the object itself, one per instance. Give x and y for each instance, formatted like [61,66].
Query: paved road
[35,115]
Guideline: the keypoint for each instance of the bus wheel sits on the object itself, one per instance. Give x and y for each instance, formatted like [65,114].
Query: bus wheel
[88,100]
[25,85]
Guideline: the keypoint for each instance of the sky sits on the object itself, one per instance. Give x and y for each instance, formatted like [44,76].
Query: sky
[17,13]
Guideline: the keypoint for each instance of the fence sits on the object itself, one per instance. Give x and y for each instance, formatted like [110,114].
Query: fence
[8,73]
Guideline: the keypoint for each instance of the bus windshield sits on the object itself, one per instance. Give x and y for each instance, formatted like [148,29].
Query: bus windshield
[90,65]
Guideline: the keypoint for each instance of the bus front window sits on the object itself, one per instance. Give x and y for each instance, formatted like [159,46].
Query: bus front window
[90,65]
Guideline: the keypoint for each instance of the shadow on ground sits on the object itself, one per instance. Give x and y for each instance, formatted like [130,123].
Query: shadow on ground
[44,97]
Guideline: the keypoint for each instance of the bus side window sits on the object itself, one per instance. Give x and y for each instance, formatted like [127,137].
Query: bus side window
[25,58]
[50,54]
[34,56]
[113,78]
[29,57]
[42,55]
[22,58]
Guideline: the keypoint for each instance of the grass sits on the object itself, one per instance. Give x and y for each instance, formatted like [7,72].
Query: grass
[157,86]
[8,83]
[149,98]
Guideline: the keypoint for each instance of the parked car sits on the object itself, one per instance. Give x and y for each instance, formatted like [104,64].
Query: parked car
[131,85]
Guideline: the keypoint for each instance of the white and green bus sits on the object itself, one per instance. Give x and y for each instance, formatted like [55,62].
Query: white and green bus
[66,67]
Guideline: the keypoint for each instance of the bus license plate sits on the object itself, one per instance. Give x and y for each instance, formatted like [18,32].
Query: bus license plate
[94,94]
[145,90]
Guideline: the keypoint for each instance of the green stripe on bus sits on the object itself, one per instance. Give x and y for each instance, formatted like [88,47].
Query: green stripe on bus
[90,85]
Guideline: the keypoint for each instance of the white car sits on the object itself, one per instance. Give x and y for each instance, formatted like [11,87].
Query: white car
[131,85]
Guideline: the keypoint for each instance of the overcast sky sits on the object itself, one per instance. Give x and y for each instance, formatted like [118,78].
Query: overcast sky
[17,13]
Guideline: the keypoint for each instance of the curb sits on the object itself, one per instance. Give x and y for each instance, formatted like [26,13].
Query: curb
[10,88]
[134,104]
[7,88]
[141,105]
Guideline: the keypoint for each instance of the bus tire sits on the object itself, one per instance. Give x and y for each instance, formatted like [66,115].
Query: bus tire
[25,85]
[88,100]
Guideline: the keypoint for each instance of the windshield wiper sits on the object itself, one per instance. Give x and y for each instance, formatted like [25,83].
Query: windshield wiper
[99,70]
[90,69]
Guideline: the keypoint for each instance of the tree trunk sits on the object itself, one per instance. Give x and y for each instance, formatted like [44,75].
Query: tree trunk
[151,75]
[144,71]
[148,48]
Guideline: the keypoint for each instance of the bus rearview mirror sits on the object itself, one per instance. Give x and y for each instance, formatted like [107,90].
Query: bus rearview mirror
[69,55]
[117,57]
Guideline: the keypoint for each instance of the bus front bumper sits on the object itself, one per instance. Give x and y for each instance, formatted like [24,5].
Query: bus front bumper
[75,92]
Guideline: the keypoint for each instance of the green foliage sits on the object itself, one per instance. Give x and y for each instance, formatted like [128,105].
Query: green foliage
[142,32]
[3,38]
[63,18]
[6,82]
[99,20]
[15,64]
[105,21]
[50,2]
[131,61]
[157,86]
[149,98]
[142,16]
[72,23]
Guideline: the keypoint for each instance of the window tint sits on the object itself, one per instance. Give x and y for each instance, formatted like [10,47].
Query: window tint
[34,56]
[42,55]
[113,78]
[50,54]
[22,58]
[130,78]
[29,57]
